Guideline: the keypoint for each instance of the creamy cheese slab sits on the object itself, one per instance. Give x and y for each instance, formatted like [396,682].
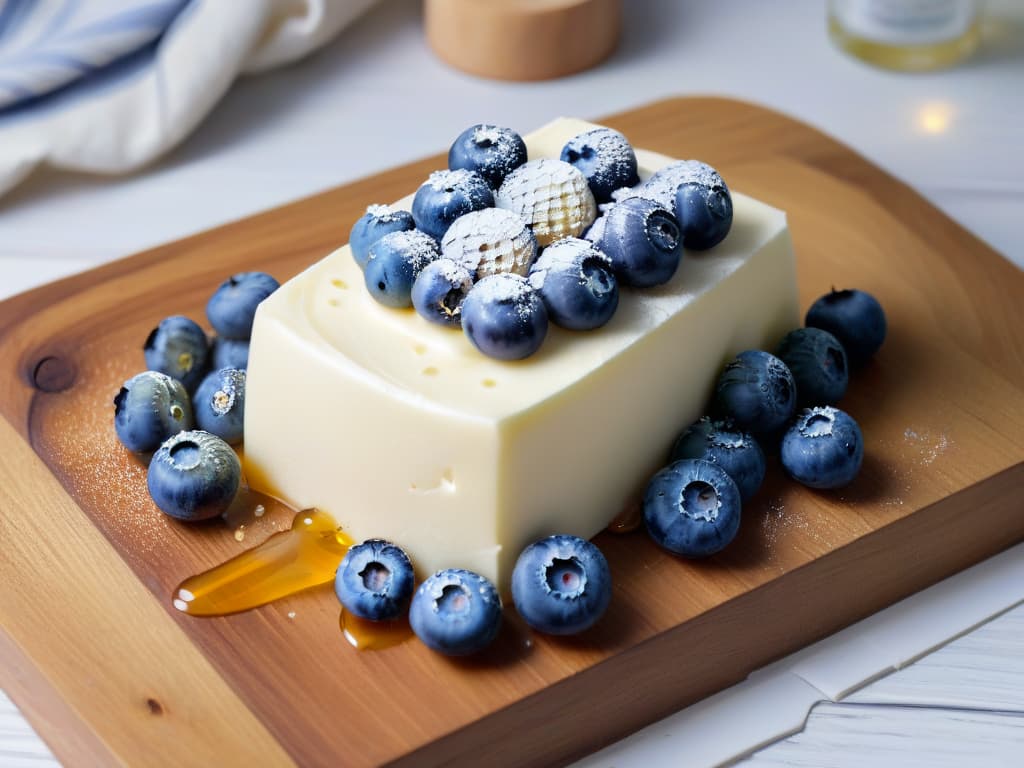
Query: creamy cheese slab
[402,430]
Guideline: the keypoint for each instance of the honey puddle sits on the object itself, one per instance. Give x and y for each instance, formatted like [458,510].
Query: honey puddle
[366,635]
[286,563]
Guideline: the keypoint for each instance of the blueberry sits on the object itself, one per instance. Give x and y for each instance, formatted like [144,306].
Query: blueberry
[375,580]
[179,348]
[855,318]
[738,453]
[456,612]
[606,158]
[504,317]
[818,364]
[229,353]
[150,407]
[439,290]
[823,448]
[692,508]
[705,215]
[379,220]
[576,283]
[194,476]
[561,585]
[697,195]
[445,196]
[395,262]
[490,150]
[642,240]
[756,391]
[232,307]
[219,404]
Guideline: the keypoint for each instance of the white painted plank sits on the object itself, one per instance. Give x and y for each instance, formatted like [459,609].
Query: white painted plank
[981,670]
[764,708]
[857,735]
[20,747]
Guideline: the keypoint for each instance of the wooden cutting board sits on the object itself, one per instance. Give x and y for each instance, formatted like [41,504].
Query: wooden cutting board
[107,670]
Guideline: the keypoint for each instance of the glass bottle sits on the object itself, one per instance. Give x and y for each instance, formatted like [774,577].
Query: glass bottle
[910,35]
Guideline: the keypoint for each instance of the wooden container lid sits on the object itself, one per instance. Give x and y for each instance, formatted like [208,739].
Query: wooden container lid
[522,39]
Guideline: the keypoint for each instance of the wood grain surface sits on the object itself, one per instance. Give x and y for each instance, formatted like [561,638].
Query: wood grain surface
[942,410]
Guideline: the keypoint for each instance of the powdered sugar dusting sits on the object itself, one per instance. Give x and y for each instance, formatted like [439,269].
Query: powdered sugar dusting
[780,521]
[453,272]
[383,213]
[569,254]
[447,180]
[929,448]
[491,150]
[686,172]
[504,143]
[106,479]
[615,157]
[772,521]
[416,247]
[490,136]
[596,231]
[552,196]
[490,241]
[663,184]
[508,289]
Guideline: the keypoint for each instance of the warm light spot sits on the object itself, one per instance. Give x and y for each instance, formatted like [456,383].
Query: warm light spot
[935,117]
[489,383]
[430,371]
[183,599]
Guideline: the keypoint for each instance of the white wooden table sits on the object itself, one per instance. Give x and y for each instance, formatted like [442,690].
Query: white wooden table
[957,136]
[960,706]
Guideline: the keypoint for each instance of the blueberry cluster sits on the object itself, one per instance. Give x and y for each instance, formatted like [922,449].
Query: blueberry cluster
[561,585]
[188,412]
[493,244]
[692,506]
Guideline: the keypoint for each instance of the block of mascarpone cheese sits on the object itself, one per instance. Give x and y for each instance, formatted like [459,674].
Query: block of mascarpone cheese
[401,430]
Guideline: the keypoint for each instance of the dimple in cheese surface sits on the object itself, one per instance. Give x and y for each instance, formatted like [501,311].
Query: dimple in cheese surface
[402,430]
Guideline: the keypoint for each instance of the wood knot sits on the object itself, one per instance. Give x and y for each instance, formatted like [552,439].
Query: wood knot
[53,374]
[155,707]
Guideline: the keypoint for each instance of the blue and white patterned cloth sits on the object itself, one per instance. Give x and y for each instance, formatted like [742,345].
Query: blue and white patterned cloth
[106,86]
[47,45]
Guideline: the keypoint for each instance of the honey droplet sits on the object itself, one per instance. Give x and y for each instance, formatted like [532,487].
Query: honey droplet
[288,562]
[628,520]
[366,635]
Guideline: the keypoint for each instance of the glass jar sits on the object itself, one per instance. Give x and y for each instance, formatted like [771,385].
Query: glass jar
[911,35]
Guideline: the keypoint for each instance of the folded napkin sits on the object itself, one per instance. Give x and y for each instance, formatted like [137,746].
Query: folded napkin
[106,86]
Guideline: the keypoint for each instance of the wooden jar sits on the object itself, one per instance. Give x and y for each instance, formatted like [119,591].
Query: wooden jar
[522,39]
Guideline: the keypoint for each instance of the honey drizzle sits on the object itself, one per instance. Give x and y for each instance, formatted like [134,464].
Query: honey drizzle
[286,563]
[366,635]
